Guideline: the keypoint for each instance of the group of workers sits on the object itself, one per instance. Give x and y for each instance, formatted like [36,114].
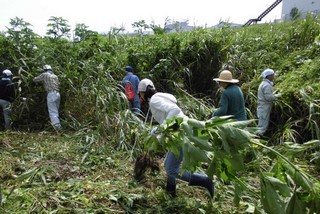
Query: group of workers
[51,84]
[231,101]
[164,106]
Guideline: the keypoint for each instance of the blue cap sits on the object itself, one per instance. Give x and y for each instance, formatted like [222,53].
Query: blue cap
[128,68]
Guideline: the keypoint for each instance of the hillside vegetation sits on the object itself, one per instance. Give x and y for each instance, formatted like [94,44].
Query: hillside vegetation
[88,168]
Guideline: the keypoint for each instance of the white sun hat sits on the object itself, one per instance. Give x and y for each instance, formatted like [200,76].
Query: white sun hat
[7,72]
[143,84]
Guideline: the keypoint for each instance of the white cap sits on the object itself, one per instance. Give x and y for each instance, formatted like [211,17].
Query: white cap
[267,72]
[7,72]
[143,84]
[47,67]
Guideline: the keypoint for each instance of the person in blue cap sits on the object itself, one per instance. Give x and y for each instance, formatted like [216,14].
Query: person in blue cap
[134,80]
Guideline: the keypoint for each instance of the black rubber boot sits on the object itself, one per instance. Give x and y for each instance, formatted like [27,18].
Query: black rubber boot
[171,189]
[203,181]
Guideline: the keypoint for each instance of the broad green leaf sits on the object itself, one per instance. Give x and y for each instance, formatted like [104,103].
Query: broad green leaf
[237,162]
[201,143]
[295,205]
[299,177]
[192,156]
[271,201]
[283,188]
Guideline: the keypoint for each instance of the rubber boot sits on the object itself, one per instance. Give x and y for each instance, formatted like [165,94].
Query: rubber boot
[171,189]
[203,181]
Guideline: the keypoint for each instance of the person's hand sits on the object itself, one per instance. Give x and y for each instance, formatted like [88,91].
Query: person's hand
[153,131]
[277,95]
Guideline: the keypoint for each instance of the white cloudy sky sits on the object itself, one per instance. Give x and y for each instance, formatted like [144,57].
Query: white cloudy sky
[101,15]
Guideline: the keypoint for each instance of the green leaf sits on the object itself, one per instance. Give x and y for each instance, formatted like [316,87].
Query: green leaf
[295,205]
[193,156]
[237,195]
[299,177]
[27,174]
[270,198]
[201,143]
[277,184]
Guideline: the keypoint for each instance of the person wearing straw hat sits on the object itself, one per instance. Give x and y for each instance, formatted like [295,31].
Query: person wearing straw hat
[164,106]
[231,101]
[265,100]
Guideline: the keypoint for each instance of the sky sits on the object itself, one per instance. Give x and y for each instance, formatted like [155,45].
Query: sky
[102,15]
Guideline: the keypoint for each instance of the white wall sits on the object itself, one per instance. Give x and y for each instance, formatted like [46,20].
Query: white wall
[303,6]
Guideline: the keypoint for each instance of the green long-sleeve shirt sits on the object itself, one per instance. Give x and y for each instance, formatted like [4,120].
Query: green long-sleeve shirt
[232,103]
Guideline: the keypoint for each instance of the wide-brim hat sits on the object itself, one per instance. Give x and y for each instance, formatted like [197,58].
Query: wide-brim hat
[226,76]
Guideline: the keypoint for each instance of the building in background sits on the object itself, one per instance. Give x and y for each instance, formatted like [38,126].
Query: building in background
[296,9]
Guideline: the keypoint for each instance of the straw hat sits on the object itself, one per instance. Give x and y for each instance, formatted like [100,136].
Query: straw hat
[226,76]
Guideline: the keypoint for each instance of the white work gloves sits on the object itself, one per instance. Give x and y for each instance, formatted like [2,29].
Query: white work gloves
[153,131]
[277,95]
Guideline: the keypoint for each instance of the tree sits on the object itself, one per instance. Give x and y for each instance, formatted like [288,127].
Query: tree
[295,14]
[58,27]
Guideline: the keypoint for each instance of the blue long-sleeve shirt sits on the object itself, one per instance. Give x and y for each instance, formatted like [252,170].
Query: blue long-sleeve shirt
[232,103]
[134,79]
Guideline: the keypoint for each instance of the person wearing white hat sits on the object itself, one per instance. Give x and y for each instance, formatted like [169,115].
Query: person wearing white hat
[7,96]
[265,100]
[164,106]
[232,100]
[51,84]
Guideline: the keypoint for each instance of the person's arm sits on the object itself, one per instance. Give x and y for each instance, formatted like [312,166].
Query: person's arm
[223,106]
[38,78]
[136,83]
[268,94]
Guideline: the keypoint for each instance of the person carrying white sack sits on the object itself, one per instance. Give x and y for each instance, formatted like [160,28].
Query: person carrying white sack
[265,97]
[164,106]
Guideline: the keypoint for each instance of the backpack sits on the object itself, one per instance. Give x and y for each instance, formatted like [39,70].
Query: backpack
[128,89]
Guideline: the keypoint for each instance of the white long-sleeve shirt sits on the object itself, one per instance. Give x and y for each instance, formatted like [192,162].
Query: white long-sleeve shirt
[265,100]
[265,92]
[164,106]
